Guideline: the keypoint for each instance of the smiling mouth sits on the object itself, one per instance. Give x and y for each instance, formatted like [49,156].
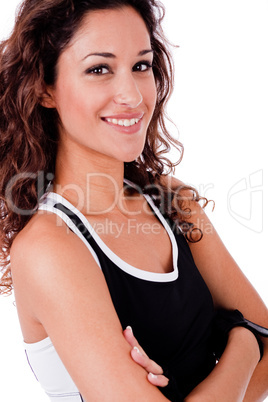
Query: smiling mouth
[123,122]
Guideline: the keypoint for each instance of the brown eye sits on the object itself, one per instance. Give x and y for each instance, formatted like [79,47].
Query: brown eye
[98,70]
[142,66]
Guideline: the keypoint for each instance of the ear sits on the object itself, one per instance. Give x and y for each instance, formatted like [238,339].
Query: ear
[47,98]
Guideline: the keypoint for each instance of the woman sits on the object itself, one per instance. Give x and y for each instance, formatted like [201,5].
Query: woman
[83,87]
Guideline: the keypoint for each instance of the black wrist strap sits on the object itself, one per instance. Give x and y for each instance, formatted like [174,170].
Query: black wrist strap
[226,320]
[261,331]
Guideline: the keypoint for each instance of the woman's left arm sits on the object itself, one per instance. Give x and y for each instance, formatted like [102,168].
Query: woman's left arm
[230,378]
[230,290]
[257,389]
[238,376]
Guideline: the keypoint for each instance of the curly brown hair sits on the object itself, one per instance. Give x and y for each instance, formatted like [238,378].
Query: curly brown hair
[29,131]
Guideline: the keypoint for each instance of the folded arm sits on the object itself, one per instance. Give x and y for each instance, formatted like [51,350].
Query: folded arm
[230,290]
[61,287]
[230,378]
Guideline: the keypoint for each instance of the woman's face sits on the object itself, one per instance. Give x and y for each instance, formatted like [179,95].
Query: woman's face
[105,90]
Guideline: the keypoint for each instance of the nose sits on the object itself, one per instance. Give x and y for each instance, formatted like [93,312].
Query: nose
[127,92]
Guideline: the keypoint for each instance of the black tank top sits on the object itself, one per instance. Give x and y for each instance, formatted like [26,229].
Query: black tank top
[171,314]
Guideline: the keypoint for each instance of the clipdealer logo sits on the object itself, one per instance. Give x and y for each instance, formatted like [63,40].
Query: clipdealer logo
[245,201]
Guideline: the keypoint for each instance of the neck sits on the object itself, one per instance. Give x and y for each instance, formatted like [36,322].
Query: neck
[90,181]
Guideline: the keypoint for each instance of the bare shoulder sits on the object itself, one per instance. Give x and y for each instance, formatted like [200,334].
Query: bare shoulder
[48,259]
[43,226]
[186,195]
[179,187]
[171,182]
[43,238]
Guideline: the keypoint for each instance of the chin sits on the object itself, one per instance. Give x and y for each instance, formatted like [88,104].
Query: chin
[131,158]
[132,155]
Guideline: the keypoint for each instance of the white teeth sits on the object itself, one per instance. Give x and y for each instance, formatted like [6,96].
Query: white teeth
[125,122]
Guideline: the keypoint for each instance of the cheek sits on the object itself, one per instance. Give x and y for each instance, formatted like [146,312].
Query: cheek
[67,100]
[150,95]
[79,104]
[151,89]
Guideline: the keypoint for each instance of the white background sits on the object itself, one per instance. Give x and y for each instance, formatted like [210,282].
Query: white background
[220,106]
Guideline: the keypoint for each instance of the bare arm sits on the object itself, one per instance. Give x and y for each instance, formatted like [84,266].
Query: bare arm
[230,378]
[230,289]
[57,277]
[257,389]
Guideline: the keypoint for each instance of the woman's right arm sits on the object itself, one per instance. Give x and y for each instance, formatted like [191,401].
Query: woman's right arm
[55,275]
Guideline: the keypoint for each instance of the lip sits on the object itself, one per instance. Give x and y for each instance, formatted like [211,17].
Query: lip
[122,129]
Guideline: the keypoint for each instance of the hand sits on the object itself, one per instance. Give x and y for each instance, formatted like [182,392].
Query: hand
[155,372]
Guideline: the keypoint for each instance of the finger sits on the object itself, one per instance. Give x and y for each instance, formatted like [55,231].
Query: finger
[144,361]
[158,380]
[129,336]
[139,355]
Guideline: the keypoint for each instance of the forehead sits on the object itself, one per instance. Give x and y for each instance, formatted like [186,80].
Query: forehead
[112,29]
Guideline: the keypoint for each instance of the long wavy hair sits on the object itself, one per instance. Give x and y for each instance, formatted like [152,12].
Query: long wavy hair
[29,131]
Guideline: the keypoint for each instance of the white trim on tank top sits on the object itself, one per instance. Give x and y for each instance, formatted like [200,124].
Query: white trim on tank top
[52,198]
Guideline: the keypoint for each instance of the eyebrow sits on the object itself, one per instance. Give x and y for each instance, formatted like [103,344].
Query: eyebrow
[112,56]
